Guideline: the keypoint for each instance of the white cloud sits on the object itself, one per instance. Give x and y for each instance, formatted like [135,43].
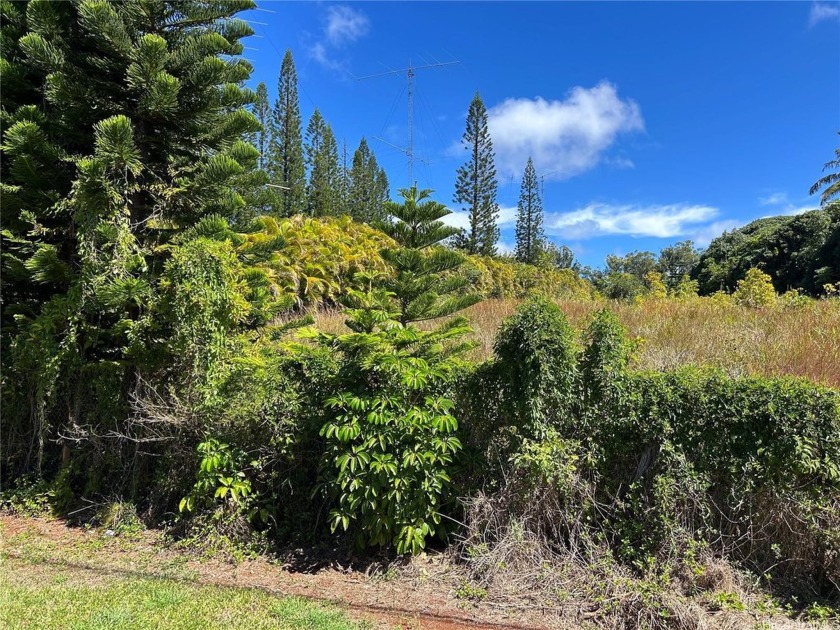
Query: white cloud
[319,53]
[620,162]
[821,11]
[773,199]
[662,221]
[461,218]
[345,25]
[564,137]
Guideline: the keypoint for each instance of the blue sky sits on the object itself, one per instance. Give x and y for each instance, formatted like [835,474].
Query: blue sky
[650,122]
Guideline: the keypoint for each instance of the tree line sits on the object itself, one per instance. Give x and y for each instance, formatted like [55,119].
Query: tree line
[799,252]
[307,174]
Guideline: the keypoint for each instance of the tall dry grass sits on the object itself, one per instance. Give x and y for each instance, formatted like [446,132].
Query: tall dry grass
[774,341]
[781,340]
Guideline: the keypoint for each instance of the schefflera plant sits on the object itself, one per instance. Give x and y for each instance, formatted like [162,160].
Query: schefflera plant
[391,435]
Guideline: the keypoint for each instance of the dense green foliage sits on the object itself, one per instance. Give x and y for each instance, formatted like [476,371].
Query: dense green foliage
[800,251]
[321,152]
[262,110]
[756,289]
[367,187]
[676,262]
[154,297]
[425,280]
[657,466]
[391,436]
[94,199]
[628,277]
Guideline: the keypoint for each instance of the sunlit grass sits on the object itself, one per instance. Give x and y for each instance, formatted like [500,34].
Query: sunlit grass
[47,597]
[777,341]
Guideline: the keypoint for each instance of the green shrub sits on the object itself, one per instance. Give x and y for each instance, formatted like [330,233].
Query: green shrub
[656,289]
[221,478]
[391,437]
[755,289]
[537,351]
[619,285]
[390,431]
[685,288]
[499,277]
[28,497]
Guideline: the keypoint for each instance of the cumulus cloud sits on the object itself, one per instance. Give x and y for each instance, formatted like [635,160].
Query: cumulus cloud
[343,26]
[662,221]
[823,11]
[564,137]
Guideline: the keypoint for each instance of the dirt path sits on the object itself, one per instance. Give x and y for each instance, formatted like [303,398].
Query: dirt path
[419,596]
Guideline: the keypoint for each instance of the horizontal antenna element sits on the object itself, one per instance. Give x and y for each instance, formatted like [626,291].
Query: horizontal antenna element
[409,73]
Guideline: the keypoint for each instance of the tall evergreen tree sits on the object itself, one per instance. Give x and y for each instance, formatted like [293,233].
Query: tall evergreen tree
[325,175]
[286,164]
[343,192]
[368,187]
[529,219]
[381,186]
[260,199]
[314,139]
[312,146]
[123,126]
[476,184]
[262,110]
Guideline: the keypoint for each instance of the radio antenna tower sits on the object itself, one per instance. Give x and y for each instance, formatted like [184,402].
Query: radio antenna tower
[409,73]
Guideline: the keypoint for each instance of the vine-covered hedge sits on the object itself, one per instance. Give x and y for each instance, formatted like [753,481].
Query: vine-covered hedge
[654,464]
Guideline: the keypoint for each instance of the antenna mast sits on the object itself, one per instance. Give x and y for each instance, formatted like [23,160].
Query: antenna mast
[409,73]
[409,151]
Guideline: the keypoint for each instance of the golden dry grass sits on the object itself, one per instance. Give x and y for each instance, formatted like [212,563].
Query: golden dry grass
[774,341]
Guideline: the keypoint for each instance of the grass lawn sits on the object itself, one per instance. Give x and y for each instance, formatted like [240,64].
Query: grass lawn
[45,586]
[32,597]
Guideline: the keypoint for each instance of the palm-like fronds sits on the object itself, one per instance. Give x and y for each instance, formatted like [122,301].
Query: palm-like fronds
[830,183]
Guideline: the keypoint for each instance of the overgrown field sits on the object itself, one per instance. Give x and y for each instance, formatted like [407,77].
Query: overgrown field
[801,340]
